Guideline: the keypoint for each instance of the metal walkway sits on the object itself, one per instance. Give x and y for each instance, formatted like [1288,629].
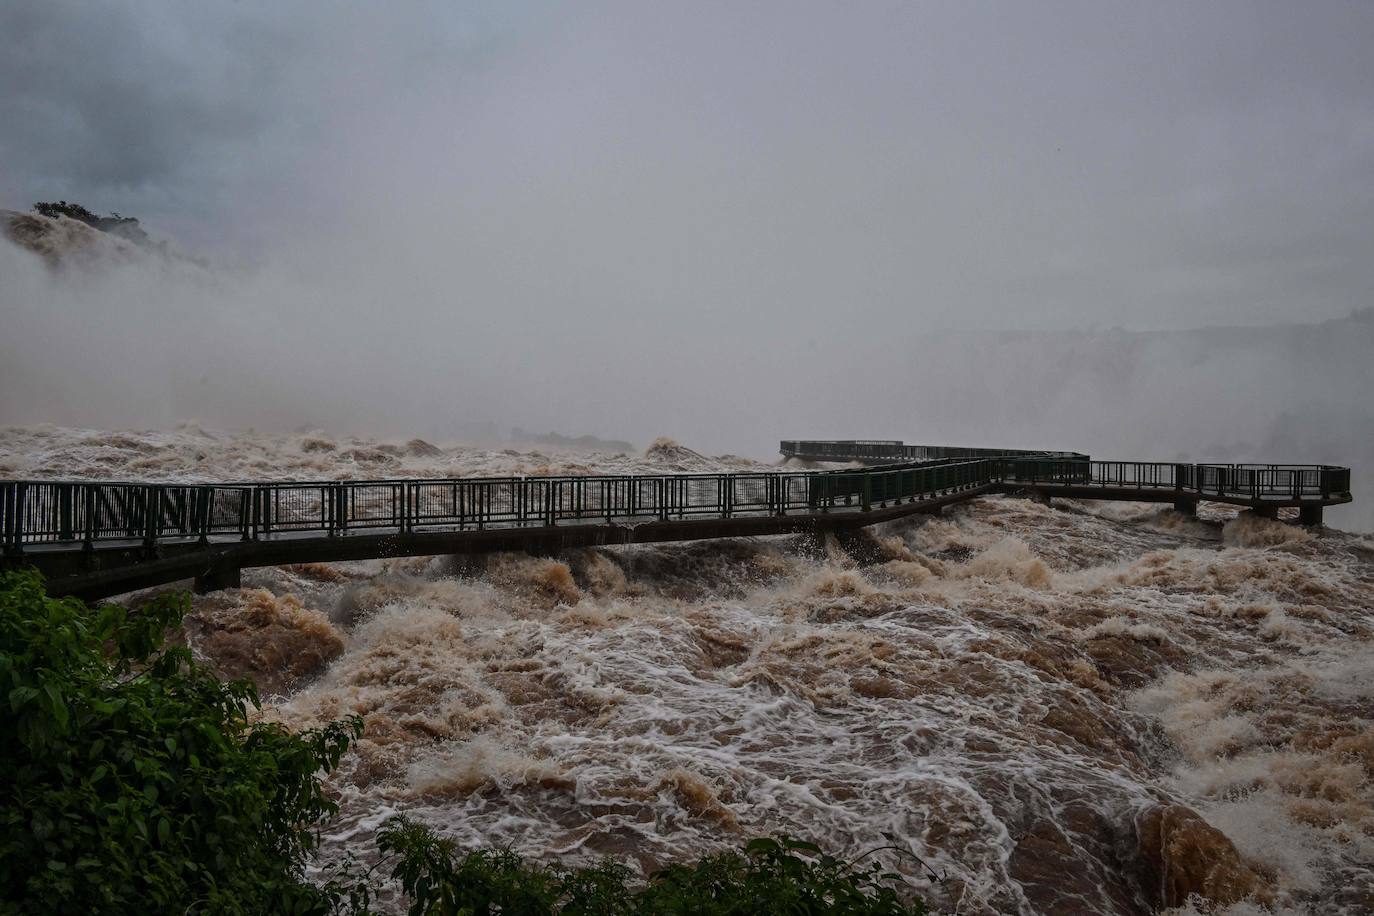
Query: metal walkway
[96,539]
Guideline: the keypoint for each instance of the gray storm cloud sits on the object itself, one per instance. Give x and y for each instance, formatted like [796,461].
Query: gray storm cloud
[723,224]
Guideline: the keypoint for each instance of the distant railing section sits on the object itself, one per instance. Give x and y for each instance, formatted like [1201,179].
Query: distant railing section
[1240,481]
[895,450]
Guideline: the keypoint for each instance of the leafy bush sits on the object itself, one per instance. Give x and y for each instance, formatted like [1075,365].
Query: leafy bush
[771,876]
[134,780]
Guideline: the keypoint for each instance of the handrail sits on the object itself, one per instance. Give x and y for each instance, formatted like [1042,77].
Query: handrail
[84,513]
[896,450]
[1254,482]
[1239,481]
[55,512]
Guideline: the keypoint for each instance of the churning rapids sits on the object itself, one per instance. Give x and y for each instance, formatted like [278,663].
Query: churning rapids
[1097,709]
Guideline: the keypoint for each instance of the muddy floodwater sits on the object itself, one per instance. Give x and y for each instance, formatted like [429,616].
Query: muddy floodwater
[1078,708]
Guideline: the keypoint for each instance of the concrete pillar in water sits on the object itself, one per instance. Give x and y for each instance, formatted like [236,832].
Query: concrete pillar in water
[1186,506]
[1310,515]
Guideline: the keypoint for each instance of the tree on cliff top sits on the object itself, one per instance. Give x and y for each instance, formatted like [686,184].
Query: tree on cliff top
[125,227]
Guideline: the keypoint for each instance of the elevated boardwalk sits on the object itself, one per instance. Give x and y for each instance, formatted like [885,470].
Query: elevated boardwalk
[96,539]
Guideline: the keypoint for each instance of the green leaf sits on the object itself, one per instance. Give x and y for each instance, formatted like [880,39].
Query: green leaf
[56,706]
[21,695]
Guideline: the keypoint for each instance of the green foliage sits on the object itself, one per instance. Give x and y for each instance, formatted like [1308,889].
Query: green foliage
[123,226]
[54,209]
[780,876]
[134,781]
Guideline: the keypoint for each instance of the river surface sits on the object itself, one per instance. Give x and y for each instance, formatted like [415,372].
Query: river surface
[1078,708]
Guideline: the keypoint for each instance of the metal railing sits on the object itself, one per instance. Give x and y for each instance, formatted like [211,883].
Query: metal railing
[1241,481]
[897,451]
[81,513]
[1261,481]
[54,512]
[87,513]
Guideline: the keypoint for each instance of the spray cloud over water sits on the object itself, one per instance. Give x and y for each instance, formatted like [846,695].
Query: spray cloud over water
[590,220]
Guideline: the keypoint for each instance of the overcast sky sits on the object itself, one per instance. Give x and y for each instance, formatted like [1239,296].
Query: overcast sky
[987,164]
[729,223]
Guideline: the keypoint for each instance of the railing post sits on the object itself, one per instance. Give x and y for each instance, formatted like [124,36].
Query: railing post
[183,506]
[89,500]
[264,516]
[151,511]
[66,530]
[21,498]
[8,505]
[868,492]
[248,501]
[204,497]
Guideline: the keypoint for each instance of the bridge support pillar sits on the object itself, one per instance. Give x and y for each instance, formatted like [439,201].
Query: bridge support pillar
[1186,506]
[1266,511]
[217,577]
[1310,515]
[1039,496]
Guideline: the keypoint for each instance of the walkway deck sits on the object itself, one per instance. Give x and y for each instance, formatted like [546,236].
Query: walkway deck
[96,539]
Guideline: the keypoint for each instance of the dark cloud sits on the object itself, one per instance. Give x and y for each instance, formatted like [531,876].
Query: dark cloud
[179,111]
[1147,164]
[107,102]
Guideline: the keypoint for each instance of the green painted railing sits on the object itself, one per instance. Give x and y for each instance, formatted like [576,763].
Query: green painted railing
[86,513]
[81,512]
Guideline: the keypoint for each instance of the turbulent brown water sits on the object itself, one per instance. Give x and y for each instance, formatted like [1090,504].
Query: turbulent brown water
[1072,709]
